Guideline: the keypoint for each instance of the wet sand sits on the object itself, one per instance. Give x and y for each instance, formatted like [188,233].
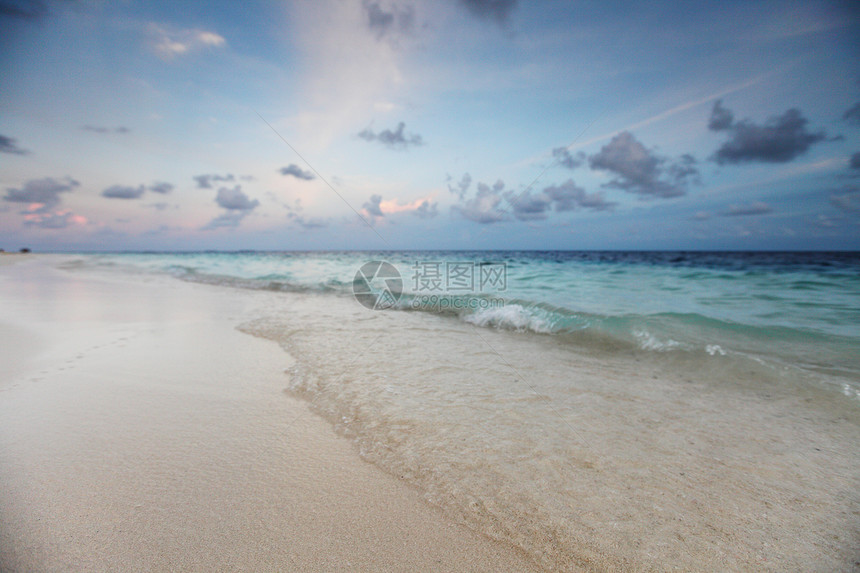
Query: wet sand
[139,430]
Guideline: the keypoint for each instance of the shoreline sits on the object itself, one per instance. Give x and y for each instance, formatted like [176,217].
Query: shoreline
[139,429]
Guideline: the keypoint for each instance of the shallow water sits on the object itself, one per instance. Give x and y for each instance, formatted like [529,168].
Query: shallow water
[627,411]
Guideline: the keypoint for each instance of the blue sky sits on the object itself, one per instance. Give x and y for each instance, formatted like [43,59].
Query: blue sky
[452,124]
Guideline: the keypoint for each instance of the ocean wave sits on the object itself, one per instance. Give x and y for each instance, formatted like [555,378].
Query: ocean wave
[603,301]
[511,317]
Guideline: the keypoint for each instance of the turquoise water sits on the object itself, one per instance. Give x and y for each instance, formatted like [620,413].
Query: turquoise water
[798,309]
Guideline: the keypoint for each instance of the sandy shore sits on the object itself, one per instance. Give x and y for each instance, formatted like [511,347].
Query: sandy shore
[12,258]
[139,430]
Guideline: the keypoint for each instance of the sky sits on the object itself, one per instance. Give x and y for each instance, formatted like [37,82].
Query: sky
[444,124]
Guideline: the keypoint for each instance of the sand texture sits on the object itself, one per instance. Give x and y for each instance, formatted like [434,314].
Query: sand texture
[139,430]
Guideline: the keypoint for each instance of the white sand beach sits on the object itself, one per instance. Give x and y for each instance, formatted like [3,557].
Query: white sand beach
[139,430]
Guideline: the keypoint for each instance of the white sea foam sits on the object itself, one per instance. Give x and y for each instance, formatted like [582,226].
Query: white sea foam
[509,317]
[714,350]
[648,341]
[850,391]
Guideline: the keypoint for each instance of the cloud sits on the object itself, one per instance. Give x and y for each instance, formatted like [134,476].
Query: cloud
[382,23]
[396,139]
[460,188]
[528,206]
[41,197]
[492,204]
[297,172]
[313,223]
[721,118]
[123,192]
[642,172]
[161,187]
[702,216]
[58,220]
[206,181]
[23,9]
[564,158]
[757,208]
[235,200]
[569,197]
[8,145]
[564,197]
[779,140]
[229,219]
[484,206]
[848,201]
[495,10]
[160,206]
[44,193]
[372,207]
[854,162]
[426,210]
[171,43]
[237,204]
[852,115]
[339,49]
[377,207]
[104,130]
[824,221]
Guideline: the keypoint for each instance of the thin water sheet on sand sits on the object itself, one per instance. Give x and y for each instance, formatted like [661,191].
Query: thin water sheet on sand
[600,460]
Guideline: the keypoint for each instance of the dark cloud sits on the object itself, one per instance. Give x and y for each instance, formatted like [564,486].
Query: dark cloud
[563,157]
[382,23]
[313,223]
[640,171]
[528,206]
[206,181]
[683,170]
[44,192]
[779,140]
[9,145]
[235,200]
[426,210]
[460,188]
[852,115]
[297,172]
[104,130]
[372,206]
[564,197]
[24,9]
[123,192]
[229,219]
[495,10]
[569,197]
[161,187]
[847,201]
[721,118]
[237,204]
[757,208]
[396,139]
[484,206]
[854,162]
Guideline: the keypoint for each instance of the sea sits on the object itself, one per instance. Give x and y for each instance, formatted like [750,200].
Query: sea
[601,410]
